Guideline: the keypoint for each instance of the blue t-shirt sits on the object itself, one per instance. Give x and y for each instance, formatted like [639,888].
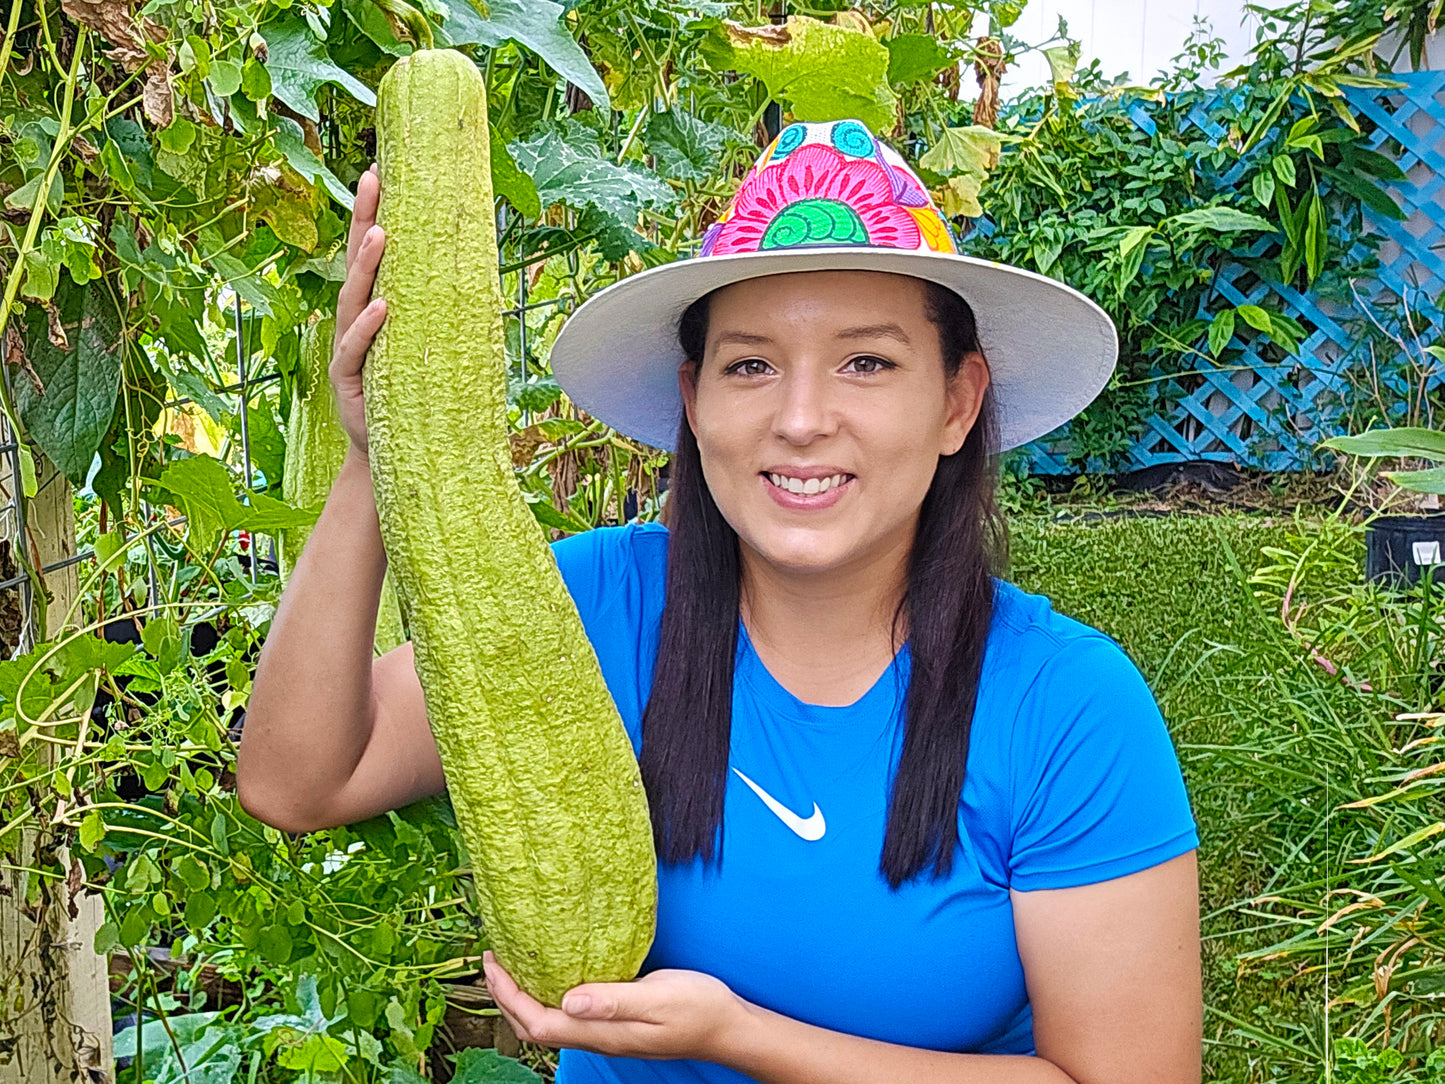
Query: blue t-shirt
[1071,779]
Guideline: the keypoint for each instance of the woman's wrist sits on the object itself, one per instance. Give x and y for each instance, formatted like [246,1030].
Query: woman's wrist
[737,1040]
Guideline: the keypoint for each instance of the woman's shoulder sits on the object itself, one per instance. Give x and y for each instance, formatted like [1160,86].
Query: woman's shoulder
[1035,652]
[1026,623]
[615,573]
[604,551]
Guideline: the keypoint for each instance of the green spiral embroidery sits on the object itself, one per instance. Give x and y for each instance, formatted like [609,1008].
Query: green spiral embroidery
[815,222]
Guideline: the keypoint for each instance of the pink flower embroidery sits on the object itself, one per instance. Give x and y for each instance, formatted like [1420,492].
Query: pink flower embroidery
[853,189]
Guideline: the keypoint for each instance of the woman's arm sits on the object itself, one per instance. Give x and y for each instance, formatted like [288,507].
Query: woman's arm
[775,1049]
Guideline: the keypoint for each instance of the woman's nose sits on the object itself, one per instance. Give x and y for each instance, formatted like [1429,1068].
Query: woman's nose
[805,408]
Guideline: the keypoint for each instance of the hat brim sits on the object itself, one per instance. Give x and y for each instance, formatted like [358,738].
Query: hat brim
[1050,349]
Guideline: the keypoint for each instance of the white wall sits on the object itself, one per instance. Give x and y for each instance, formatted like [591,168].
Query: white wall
[1138,37]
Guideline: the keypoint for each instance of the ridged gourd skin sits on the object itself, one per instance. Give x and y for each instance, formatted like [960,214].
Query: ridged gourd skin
[315,449]
[540,770]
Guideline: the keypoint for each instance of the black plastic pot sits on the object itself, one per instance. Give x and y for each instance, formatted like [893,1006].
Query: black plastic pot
[1397,548]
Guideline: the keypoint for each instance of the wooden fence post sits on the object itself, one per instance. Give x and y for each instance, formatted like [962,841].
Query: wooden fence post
[55,1023]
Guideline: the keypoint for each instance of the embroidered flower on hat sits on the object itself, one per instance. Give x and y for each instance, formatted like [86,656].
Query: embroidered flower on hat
[828,185]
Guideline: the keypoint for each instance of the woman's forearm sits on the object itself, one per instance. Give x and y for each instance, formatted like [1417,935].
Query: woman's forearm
[776,1049]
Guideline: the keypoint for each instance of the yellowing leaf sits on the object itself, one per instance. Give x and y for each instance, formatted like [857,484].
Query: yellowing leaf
[972,149]
[1063,61]
[960,196]
[824,71]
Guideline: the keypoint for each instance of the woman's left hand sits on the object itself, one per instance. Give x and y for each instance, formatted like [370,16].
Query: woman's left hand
[665,1014]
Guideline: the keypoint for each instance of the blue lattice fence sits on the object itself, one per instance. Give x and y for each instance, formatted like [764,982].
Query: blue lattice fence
[1270,410]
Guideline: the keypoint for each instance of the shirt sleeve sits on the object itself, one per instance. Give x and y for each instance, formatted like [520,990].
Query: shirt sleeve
[601,572]
[595,565]
[1097,788]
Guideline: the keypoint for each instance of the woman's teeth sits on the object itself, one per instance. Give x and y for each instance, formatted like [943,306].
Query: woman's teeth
[808,486]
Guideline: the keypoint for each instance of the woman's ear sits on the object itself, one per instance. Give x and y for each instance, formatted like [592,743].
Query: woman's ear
[687,385]
[965,400]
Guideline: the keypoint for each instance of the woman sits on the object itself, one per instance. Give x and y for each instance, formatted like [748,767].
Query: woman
[912,825]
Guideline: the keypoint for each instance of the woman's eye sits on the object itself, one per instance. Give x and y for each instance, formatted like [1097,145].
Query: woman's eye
[749,367]
[869,364]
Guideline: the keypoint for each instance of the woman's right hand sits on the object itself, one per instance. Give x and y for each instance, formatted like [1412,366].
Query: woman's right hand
[358,315]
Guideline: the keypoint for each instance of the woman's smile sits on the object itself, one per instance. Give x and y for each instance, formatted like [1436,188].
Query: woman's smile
[807,490]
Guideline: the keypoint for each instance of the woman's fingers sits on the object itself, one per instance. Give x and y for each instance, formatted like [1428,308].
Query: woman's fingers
[363,212]
[350,352]
[360,277]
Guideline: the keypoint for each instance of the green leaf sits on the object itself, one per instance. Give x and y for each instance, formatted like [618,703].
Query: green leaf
[81,382]
[1063,61]
[686,147]
[255,81]
[567,165]
[225,77]
[1006,12]
[27,195]
[42,276]
[509,182]
[290,141]
[1133,237]
[275,944]
[116,167]
[92,830]
[1419,481]
[200,910]
[193,872]
[107,940]
[1129,266]
[372,21]
[268,447]
[176,137]
[1402,441]
[190,383]
[141,872]
[202,488]
[1283,167]
[135,144]
[971,149]
[1219,219]
[156,1038]
[1371,195]
[29,485]
[1255,317]
[1221,330]
[483,1065]
[913,58]
[1316,237]
[535,24]
[161,636]
[299,64]
[825,72]
[1263,188]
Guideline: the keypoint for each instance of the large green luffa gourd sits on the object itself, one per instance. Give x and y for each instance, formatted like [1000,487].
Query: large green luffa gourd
[546,787]
[315,449]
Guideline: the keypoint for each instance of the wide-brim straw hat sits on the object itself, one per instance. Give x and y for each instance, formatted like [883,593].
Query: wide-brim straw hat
[825,197]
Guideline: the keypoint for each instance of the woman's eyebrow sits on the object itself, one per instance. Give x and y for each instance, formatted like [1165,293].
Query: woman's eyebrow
[874,331]
[743,338]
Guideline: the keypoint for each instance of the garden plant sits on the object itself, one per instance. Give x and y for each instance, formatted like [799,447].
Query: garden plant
[177,177]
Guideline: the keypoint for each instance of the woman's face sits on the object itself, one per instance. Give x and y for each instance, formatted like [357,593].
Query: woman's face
[814,375]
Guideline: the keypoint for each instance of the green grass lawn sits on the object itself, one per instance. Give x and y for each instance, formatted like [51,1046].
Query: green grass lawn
[1164,588]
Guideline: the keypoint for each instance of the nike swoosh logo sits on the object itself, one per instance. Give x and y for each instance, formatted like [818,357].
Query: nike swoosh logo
[810,828]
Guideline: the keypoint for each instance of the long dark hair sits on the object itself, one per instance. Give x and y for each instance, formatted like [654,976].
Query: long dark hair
[960,544]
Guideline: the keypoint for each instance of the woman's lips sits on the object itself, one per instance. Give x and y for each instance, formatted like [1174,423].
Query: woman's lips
[806,501]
